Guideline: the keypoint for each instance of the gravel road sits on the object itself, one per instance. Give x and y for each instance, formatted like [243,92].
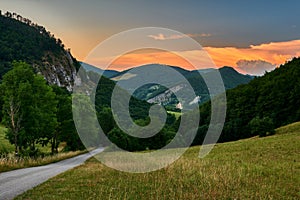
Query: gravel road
[16,182]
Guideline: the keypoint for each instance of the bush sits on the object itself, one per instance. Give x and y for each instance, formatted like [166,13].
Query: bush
[261,126]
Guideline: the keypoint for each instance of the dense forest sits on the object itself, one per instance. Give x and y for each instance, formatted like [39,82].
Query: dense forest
[139,111]
[28,49]
[257,108]
[253,109]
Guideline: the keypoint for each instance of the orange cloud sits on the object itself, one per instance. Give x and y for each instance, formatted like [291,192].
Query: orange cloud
[195,59]
[274,53]
[137,59]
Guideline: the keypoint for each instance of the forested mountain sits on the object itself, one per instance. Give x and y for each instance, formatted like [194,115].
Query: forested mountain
[35,112]
[138,109]
[155,93]
[265,103]
[21,39]
[24,41]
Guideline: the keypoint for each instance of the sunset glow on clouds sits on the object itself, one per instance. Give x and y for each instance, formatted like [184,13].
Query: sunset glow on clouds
[252,60]
[174,37]
[274,52]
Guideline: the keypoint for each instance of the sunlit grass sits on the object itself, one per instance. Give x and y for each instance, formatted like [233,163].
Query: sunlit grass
[256,168]
[290,128]
[11,162]
[177,114]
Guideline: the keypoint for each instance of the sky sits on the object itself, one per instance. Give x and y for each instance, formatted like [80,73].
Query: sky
[251,36]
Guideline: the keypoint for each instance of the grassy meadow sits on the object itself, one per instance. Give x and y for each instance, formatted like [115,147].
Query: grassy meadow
[290,128]
[176,114]
[255,168]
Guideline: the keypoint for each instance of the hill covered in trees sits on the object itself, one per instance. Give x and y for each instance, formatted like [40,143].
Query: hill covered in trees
[35,111]
[257,108]
[29,52]
[160,94]
[21,39]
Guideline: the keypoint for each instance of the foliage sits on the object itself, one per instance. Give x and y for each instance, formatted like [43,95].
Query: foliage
[86,122]
[5,146]
[261,126]
[65,130]
[20,39]
[29,108]
[265,103]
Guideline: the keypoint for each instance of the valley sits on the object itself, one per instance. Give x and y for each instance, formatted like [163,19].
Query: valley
[240,101]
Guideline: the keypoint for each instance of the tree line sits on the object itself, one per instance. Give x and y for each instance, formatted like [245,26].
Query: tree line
[42,30]
[259,107]
[35,112]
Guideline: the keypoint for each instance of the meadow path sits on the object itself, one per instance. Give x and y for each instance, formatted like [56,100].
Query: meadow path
[16,182]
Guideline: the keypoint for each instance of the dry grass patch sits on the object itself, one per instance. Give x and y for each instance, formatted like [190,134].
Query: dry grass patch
[10,162]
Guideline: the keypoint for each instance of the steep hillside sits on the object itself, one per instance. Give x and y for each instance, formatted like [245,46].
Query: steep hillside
[20,39]
[273,98]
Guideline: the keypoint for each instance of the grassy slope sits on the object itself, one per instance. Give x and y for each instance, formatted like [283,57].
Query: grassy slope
[177,114]
[255,168]
[291,128]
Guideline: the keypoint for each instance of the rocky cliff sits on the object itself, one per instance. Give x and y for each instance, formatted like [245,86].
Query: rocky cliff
[21,39]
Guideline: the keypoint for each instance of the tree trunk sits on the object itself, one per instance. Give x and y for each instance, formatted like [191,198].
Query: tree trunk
[15,123]
[54,144]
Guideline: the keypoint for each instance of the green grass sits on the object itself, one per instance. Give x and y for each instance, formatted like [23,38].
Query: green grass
[177,114]
[290,128]
[255,168]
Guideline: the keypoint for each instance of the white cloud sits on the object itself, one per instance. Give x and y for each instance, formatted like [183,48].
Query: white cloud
[254,67]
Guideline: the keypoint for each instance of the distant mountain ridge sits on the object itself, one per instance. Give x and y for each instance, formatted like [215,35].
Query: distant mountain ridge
[154,93]
[106,73]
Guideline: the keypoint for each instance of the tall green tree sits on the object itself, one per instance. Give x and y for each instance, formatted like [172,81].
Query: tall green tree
[29,108]
[66,130]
